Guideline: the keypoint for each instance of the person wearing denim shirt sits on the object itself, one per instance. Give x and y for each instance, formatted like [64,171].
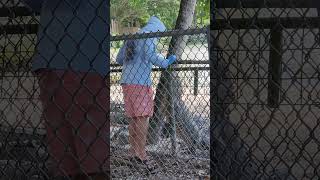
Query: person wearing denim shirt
[71,62]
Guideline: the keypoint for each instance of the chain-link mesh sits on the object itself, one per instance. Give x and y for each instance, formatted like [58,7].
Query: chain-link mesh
[54,117]
[265,90]
[54,106]
[178,137]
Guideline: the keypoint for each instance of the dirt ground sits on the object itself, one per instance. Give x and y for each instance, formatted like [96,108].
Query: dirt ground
[20,108]
[179,166]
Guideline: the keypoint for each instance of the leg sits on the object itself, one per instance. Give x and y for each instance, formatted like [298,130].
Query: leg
[139,140]
[55,101]
[132,137]
[90,118]
[139,107]
[129,110]
[60,142]
[141,125]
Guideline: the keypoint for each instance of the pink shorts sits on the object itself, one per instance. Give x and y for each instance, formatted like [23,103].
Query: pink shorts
[138,100]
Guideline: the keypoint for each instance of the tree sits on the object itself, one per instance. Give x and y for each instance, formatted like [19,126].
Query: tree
[203,12]
[168,100]
[125,11]
[167,10]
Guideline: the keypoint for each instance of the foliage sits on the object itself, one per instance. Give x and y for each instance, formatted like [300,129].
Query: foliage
[166,10]
[130,12]
[203,12]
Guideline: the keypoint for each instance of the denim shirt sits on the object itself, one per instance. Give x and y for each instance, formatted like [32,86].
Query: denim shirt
[73,35]
[137,69]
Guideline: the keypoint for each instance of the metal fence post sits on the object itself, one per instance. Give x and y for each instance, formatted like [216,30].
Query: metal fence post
[275,69]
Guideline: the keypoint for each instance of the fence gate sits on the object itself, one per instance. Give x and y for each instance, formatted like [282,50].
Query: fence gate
[265,89]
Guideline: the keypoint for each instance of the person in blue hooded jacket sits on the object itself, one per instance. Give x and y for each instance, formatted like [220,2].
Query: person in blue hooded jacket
[137,58]
[71,62]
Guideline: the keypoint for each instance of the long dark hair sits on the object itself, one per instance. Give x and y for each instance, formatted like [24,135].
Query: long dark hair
[130,49]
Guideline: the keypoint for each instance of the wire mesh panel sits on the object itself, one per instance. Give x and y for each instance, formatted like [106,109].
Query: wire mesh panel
[22,149]
[178,145]
[54,101]
[54,117]
[265,90]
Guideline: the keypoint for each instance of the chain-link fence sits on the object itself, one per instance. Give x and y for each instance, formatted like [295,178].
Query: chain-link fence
[179,145]
[265,88]
[265,96]
[22,148]
[53,123]
[33,103]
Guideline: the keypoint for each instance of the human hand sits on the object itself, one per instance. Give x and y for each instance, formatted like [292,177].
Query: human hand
[172,59]
[164,53]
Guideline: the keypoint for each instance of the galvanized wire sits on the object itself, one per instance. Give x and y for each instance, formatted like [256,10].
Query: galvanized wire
[23,136]
[265,90]
[174,153]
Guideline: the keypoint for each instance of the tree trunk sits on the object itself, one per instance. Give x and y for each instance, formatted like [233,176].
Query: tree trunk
[168,100]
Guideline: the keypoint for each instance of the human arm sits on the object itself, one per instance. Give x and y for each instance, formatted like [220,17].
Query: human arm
[157,58]
[120,56]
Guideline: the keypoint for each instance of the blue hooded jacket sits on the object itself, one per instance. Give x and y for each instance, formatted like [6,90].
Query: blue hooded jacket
[73,35]
[137,68]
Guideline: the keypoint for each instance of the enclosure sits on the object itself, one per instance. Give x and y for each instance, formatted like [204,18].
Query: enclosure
[176,148]
[265,86]
[193,73]
[262,104]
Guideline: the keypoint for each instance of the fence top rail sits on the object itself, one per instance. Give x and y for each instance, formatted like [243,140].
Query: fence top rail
[177,32]
[184,62]
[16,11]
[33,29]
[219,24]
[267,3]
[267,23]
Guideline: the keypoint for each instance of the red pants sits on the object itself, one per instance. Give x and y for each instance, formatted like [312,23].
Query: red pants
[76,114]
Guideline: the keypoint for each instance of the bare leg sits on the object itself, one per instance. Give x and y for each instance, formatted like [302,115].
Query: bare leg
[132,137]
[138,129]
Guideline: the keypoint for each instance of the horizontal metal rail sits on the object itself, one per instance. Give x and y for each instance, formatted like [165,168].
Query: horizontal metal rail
[13,12]
[161,34]
[267,23]
[24,11]
[174,69]
[191,62]
[266,3]
[219,24]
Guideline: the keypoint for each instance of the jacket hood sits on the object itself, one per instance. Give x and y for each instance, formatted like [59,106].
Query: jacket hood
[154,25]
